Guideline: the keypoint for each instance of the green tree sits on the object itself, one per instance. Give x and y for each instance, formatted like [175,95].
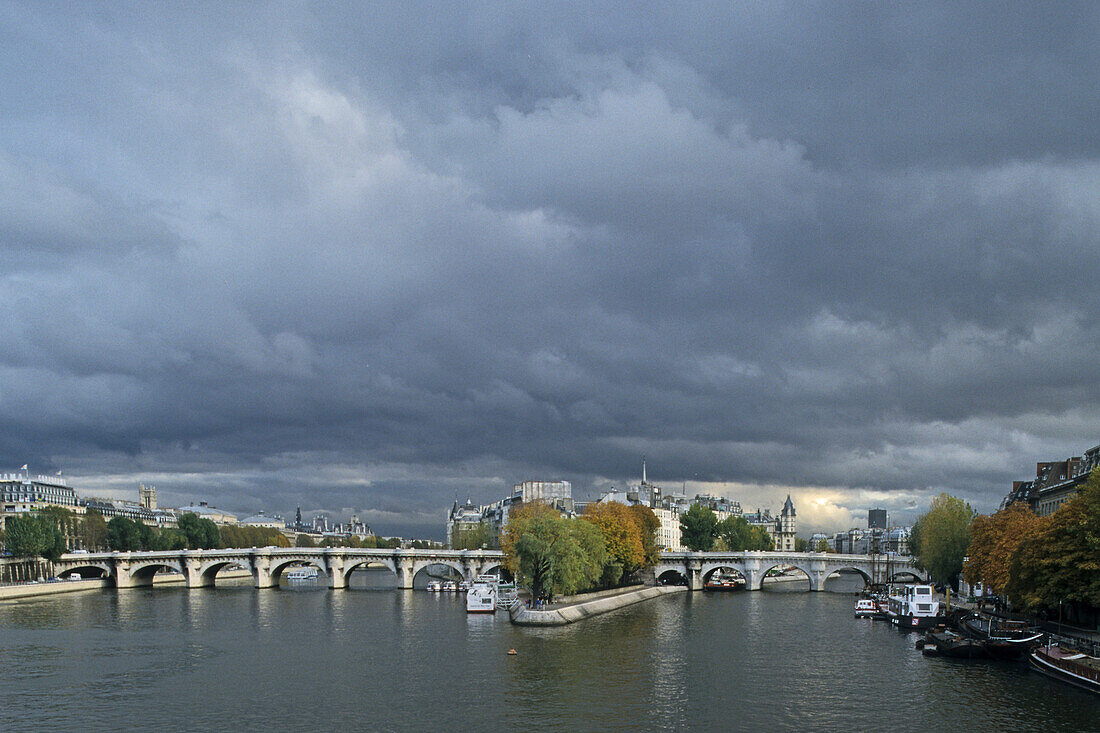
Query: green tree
[201,533]
[621,535]
[993,542]
[172,539]
[552,554]
[801,544]
[94,531]
[648,524]
[28,535]
[148,537]
[738,535]
[304,540]
[1060,562]
[473,538]
[123,535]
[943,536]
[560,556]
[698,528]
[246,536]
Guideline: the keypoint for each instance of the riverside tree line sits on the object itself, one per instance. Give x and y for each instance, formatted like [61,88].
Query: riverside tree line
[604,547]
[1034,564]
[50,531]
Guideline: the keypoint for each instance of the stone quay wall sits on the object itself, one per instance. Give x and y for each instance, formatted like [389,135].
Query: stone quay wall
[583,609]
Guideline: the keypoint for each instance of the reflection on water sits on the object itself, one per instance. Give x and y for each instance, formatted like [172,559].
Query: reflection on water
[369,659]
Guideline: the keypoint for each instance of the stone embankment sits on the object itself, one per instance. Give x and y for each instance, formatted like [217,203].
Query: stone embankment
[588,605]
[20,591]
[33,590]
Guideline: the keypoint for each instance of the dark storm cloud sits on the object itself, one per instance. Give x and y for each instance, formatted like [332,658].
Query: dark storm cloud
[361,260]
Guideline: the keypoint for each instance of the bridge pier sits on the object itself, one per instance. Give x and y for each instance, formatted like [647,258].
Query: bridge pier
[192,570]
[694,574]
[337,577]
[262,575]
[123,579]
[405,571]
[753,572]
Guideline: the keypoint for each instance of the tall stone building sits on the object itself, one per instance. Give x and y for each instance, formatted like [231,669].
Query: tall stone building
[784,528]
[147,496]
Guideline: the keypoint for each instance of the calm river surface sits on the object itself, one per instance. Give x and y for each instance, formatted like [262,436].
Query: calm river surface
[240,659]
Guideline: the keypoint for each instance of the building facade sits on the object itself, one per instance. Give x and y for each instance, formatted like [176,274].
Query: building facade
[462,518]
[147,496]
[1055,483]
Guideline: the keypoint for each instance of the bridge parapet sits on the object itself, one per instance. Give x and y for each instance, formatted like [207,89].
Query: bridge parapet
[754,566]
[130,569]
[133,569]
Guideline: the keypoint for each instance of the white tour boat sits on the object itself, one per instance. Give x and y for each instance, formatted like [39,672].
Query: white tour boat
[300,574]
[914,608]
[866,608]
[482,596]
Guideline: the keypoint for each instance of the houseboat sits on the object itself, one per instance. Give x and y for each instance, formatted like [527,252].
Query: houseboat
[942,641]
[719,582]
[1002,638]
[1060,661]
[913,607]
[302,574]
[482,597]
[867,608]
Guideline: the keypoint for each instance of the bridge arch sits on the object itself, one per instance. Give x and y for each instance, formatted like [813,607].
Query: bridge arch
[797,566]
[141,573]
[365,562]
[208,571]
[833,570]
[670,574]
[497,569]
[710,570]
[279,566]
[422,565]
[104,569]
[368,563]
[910,575]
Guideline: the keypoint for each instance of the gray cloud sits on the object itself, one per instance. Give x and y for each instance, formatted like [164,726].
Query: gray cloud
[359,259]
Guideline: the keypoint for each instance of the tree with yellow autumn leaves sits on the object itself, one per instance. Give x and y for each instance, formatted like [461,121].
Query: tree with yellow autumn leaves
[555,555]
[993,541]
[1039,563]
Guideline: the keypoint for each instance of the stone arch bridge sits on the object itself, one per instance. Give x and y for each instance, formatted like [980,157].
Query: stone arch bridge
[335,564]
[199,567]
[696,567]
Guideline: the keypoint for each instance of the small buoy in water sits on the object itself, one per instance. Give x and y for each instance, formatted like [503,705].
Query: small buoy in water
[512,652]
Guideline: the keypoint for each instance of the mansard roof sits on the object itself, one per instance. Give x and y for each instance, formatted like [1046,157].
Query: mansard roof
[788,507]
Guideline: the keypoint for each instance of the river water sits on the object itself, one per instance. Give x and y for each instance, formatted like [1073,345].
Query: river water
[309,659]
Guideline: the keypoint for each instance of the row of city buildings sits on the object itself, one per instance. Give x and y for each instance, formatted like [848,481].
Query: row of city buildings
[879,538]
[22,492]
[487,520]
[1055,482]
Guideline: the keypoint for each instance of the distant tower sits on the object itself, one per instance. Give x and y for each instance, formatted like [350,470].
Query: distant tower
[784,538]
[876,519]
[147,496]
[298,518]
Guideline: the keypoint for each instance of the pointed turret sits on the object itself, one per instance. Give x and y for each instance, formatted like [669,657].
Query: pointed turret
[788,508]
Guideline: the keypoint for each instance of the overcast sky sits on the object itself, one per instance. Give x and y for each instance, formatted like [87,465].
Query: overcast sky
[372,259]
